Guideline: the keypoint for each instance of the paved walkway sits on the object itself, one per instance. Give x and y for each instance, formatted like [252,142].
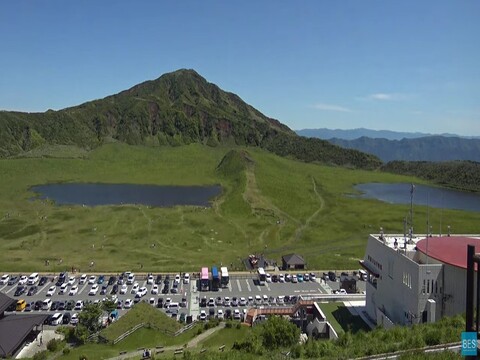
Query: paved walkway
[31,349]
[192,343]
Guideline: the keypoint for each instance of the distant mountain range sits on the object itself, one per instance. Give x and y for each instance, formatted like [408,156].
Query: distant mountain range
[403,146]
[353,134]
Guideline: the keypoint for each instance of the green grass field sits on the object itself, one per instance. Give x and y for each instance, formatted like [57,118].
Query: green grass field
[276,206]
[141,313]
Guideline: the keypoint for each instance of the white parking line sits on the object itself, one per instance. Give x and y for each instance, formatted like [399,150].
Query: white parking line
[8,291]
[83,288]
[268,287]
[43,288]
[229,286]
[248,285]
[144,283]
[4,287]
[259,288]
[239,286]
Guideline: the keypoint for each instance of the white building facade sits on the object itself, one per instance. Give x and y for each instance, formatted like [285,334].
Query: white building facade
[416,280]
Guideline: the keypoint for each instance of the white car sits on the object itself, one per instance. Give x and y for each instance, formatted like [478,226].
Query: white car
[141,292]
[186,278]
[124,289]
[280,299]
[154,290]
[211,302]
[294,278]
[150,279]
[128,304]
[268,278]
[135,288]
[151,301]
[342,292]
[220,314]
[177,278]
[79,305]
[92,279]
[203,315]
[258,299]
[74,319]
[51,290]
[83,279]
[73,290]
[4,279]
[63,288]
[243,301]
[226,301]
[130,278]
[236,314]
[281,278]
[93,291]
[71,280]
[23,280]
[312,277]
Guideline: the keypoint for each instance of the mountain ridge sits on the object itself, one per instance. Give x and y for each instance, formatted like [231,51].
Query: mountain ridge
[177,108]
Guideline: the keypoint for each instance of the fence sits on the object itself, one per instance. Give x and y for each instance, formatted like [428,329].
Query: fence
[125,334]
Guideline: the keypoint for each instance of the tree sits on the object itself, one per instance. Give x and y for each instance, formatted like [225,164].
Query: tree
[279,332]
[109,305]
[90,316]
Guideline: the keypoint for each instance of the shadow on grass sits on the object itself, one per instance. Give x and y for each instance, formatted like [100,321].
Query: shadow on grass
[348,322]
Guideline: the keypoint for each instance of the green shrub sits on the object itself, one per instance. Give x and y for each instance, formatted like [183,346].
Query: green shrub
[66,351]
[53,345]
[42,355]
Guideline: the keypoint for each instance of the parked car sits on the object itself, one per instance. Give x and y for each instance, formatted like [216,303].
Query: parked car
[186,278]
[135,288]
[114,289]
[83,279]
[313,277]
[93,291]
[79,305]
[158,280]
[38,304]
[23,280]
[13,280]
[43,281]
[220,314]
[154,290]
[124,289]
[281,278]
[33,290]
[66,318]
[73,290]
[101,279]
[332,276]
[103,291]
[150,279]
[33,279]
[4,279]
[112,280]
[128,304]
[70,305]
[236,314]
[74,320]
[92,279]
[51,290]
[71,280]
[203,315]
[63,288]
[141,292]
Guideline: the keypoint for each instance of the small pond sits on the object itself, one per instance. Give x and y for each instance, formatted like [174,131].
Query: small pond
[436,197]
[116,194]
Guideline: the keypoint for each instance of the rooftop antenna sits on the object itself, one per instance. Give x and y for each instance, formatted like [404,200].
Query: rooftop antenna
[412,189]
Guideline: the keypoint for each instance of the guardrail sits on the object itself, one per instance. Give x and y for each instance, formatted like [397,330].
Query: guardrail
[125,334]
[427,349]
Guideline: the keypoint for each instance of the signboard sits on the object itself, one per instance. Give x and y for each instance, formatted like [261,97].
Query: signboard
[469,343]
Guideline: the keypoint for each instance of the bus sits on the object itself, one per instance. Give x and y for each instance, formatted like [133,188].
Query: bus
[215,279]
[204,280]
[261,276]
[224,274]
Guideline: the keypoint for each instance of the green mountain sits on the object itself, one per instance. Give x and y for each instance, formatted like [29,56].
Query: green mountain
[178,108]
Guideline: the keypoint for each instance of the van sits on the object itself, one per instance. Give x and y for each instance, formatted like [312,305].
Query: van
[21,304]
[47,303]
[57,319]
[33,279]
[173,307]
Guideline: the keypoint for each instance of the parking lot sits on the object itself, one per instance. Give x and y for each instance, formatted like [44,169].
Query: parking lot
[242,292]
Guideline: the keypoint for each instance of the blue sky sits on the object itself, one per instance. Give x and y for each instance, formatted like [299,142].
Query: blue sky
[397,65]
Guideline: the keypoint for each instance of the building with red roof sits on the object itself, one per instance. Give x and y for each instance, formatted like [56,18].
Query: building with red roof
[418,279]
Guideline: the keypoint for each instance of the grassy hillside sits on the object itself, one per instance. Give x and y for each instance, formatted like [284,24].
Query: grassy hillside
[177,108]
[270,204]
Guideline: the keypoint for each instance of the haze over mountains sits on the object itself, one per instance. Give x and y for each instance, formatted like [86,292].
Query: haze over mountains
[391,145]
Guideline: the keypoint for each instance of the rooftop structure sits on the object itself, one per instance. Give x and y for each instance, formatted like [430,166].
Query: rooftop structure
[416,279]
